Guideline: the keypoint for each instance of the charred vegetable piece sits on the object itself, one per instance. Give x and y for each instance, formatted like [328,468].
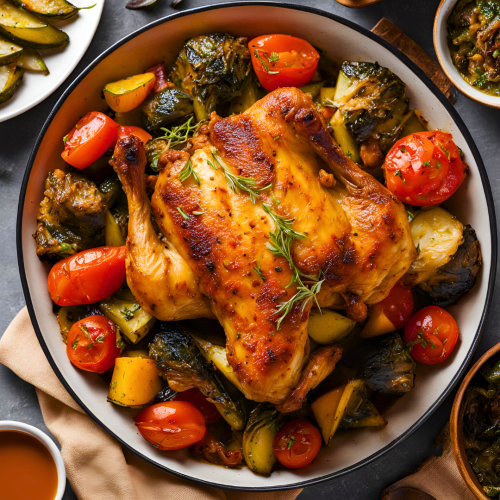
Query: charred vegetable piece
[372,104]
[166,394]
[165,107]
[258,437]
[457,277]
[212,69]
[10,79]
[71,216]
[387,367]
[182,364]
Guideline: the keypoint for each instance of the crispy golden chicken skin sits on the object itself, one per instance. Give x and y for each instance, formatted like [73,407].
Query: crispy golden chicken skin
[357,236]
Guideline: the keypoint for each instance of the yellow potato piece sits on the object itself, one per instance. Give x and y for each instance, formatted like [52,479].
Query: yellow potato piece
[125,95]
[135,382]
[378,324]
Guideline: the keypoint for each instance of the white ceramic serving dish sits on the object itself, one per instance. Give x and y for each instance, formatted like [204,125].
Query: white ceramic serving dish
[11,425]
[340,38]
[36,87]
[446,62]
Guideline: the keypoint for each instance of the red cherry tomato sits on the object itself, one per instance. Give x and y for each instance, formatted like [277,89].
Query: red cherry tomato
[91,137]
[172,425]
[398,306]
[195,397]
[424,168]
[160,73]
[283,61]
[137,131]
[296,444]
[432,333]
[91,344]
[88,276]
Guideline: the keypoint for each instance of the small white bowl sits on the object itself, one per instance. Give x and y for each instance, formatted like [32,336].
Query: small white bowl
[10,425]
[446,62]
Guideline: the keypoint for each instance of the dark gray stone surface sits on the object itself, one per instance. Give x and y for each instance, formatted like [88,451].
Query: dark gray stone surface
[17,136]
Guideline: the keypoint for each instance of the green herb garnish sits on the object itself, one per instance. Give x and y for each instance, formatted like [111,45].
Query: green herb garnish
[184,215]
[259,272]
[264,64]
[187,171]
[128,314]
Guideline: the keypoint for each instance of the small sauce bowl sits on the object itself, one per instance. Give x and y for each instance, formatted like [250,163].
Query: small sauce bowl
[457,422]
[10,425]
[444,57]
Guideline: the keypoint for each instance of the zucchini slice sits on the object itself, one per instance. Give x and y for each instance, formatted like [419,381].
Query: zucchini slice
[28,30]
[9,52]
[57,9]
[10,79]
[32,60]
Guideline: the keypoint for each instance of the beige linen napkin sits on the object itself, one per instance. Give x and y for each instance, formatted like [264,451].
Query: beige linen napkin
[97,467]
[438,476]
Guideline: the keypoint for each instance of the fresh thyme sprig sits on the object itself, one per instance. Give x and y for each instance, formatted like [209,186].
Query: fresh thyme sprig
[187,171]
[175,136]
[304,295]
[264,64]
[237,182]
[259,272]
[280,240]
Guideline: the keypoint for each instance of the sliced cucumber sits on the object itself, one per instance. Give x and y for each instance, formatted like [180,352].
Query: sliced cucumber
[57,9]
[28,30]
[9,51]
[10,79]
[32,60]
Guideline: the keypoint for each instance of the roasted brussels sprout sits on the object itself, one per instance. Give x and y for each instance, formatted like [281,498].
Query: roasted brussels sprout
[165,107]
[455,278]
[262,425]
[212,69]
[387,367]
[437,235]
[182,364]
[372,105]
[71,216]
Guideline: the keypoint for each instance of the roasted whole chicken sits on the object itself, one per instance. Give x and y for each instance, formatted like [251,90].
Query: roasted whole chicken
[216,259]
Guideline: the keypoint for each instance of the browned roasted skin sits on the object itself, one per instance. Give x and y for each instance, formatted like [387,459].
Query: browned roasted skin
[160,280]
[357,233]
[321,363]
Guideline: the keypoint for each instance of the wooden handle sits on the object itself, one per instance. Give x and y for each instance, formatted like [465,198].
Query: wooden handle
[390,32]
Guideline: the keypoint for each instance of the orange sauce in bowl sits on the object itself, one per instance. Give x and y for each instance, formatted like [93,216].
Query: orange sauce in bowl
[27,469]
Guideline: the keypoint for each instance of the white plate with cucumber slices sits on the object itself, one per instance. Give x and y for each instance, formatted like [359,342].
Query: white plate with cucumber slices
[41,42]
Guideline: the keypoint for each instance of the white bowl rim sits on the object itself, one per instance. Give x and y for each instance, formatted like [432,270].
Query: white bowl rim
[430,85]
[12,425]
[449,68]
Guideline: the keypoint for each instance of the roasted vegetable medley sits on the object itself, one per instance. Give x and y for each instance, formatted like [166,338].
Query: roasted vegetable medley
[474,42]
[178,373]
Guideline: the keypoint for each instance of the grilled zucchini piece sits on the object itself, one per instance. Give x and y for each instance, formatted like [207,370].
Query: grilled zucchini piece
[28,30]
[56,9]
[10,79]
[132,321]
[32,60]
[9,51]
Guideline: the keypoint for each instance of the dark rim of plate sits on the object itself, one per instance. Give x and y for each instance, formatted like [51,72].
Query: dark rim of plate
[431,86]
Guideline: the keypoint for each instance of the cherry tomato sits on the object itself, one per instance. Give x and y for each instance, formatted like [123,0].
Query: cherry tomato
[171,425]
[432,333]
[137,131]
[296,444]
[424,168]
[195,397]
[160,73]
[91,137]
[88,276]
[91,344]
[283,61]
[398,306]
